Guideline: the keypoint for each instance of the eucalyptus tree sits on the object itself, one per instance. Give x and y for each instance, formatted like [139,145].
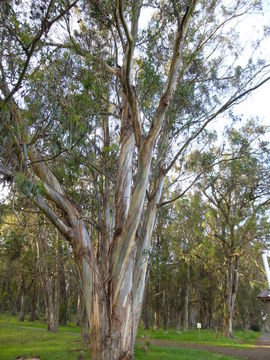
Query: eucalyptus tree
[105,109]
[235,218]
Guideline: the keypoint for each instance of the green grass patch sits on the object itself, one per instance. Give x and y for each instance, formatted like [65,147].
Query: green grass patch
[158,353]
[8,320]
[29,341]
[31,338]
[242,339]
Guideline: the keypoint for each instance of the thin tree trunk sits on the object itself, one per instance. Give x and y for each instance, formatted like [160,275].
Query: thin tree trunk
[15,305]
[165,311]
[156,322]
[179,321]
[230,296]
[146,309]
[33,303]
[22,309]
[186,308]
[38,305]
[79,310]
[63,307]
[186,313]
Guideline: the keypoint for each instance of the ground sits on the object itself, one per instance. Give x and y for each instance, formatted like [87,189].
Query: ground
[260,352]
[29,340]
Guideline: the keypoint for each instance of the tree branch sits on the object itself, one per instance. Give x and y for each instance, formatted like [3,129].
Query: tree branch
[83,52]
[173,74]
[43,206]
[224,107]
[45,27]
[127,67]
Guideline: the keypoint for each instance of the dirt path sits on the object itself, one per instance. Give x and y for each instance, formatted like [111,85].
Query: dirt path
[261,352]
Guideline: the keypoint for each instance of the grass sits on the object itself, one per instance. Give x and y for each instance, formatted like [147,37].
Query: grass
[7,320]
[28,339]
[242,339]
[158,353]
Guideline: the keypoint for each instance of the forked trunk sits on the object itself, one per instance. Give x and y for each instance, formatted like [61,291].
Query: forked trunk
[111,329]
[113,324]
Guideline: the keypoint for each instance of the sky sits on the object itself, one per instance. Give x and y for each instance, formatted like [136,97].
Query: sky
[257,104]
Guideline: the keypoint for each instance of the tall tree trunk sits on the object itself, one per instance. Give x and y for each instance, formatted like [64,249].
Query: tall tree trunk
[186,307]
[38,304]
[230,296]
[186,310]
[165,310]
[63,307]
[33,303]
[146,309]
[15,304]
[156,319]
[79,309]
[22,309]
[179,321]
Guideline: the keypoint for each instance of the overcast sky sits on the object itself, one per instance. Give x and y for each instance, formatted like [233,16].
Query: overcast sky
[257,104]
